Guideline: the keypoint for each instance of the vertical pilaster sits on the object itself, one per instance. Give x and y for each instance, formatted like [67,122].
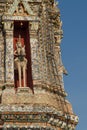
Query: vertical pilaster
[48,41]
[9,53]
[1,59]
[34,49]
[57,55]
[43,46]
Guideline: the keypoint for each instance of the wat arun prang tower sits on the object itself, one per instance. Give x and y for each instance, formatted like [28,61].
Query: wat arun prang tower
[32,95]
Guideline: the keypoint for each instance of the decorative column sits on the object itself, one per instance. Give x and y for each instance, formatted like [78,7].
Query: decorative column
[34,49]
[9,53]
[57,56]
[1,60]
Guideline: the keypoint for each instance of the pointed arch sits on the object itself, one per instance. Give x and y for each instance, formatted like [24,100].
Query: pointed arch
[15,4]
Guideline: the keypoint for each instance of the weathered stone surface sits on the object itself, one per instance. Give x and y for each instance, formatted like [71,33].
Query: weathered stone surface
[46,108]
[25,96]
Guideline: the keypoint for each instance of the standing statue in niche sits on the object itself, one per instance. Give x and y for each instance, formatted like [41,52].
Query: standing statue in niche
[20,62]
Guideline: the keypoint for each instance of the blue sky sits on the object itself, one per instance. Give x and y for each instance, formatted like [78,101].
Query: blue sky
[74,53]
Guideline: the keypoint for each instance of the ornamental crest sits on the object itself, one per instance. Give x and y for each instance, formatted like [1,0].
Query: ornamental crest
[20,7]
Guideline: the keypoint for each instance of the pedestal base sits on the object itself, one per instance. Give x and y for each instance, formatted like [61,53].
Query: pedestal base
[23,90]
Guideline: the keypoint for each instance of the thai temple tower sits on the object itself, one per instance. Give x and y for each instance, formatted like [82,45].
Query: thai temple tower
[32,95]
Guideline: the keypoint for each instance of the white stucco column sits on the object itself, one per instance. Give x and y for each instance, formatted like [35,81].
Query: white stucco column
[9,53]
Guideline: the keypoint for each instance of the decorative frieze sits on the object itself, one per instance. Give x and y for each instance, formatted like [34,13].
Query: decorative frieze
[21,127]
[12,18]
[36,114]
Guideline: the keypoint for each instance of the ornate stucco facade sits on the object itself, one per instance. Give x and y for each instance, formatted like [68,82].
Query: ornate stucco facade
[42,103]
